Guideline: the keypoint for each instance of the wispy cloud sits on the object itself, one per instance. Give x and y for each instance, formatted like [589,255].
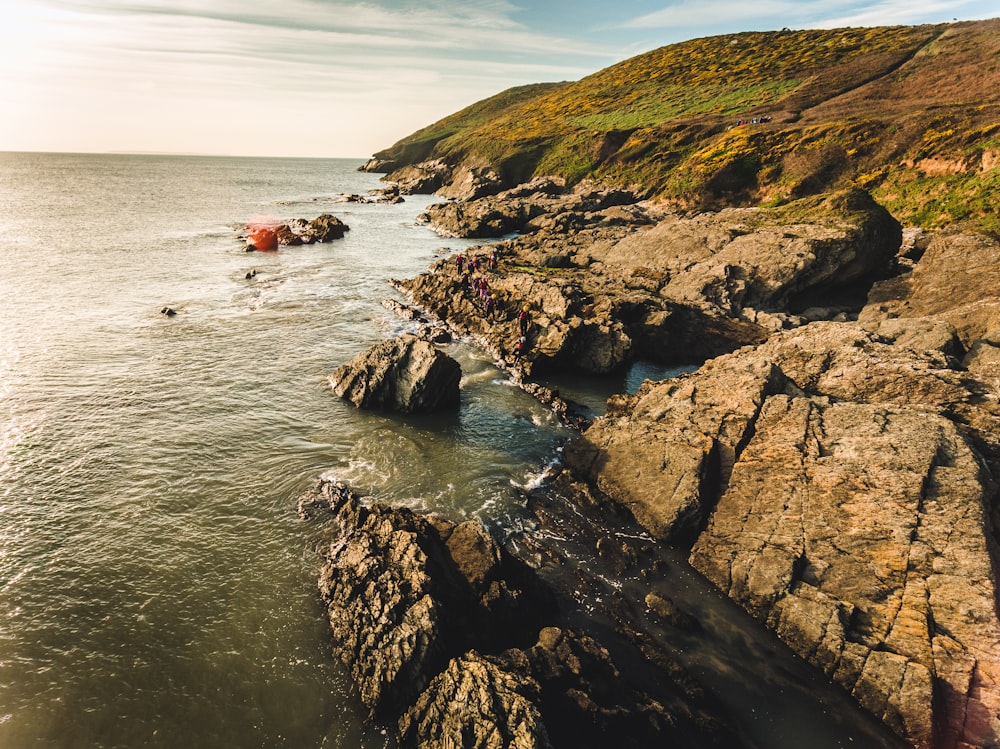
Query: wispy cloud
[734,15]
[345,76]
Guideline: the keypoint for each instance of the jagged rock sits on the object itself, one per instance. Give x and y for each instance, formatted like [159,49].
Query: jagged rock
[679,292]
[422,178]
[446,632]
[388,194]
[663,452]
[378,593]
[765,259]
[406,593]
[586,702]
[405,374]
[469,182]
[956,280]
[475,704]
[326,227]
[828,490]
[492,215]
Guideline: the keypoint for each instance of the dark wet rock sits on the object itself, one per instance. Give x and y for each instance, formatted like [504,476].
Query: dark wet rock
[326,227]
[388,194]
[406,593]
[587,702]
[405,374]
[667,610]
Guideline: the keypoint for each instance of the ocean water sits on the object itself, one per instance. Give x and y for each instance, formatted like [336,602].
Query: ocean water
[156,586]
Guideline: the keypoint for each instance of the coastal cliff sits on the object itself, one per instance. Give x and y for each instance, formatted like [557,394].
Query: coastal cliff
[830,463]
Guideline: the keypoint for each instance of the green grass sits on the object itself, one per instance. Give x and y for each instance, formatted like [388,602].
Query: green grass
[859,107]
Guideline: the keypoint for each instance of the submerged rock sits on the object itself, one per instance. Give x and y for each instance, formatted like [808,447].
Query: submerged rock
[405,374]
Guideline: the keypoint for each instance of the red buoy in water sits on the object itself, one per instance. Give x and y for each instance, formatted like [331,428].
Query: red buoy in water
[262,237]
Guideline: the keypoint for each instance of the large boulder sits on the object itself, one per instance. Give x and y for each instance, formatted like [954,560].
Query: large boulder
[772,259]
[405,374]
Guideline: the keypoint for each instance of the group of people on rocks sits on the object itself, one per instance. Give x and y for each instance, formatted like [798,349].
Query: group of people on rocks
[468,268]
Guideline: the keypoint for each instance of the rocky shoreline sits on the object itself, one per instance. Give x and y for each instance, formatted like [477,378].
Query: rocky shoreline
[830,467]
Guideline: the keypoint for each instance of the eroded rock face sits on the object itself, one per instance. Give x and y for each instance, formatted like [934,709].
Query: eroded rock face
[856,532]
[829,489]
[478,213]
[447,634]
[956,280]
[405,374]
[955,285]
[475,703]
[775,261]
[406,593]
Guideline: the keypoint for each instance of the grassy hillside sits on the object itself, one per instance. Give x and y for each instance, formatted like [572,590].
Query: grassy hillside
[910,113]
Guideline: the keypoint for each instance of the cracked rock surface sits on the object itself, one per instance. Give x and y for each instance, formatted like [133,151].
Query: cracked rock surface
[826,485]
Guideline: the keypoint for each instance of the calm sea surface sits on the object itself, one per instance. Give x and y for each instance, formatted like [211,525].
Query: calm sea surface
[156,586]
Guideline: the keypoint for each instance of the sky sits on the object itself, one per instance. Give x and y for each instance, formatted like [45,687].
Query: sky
[338,78]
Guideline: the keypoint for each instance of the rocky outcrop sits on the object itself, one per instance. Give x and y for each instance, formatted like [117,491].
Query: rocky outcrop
[390,194]
[475,703]
[833,484]
[955,286]
[446,633]
[405,593]
[780,260]
[405,374]
[479,212]
[294,232]
[668,289]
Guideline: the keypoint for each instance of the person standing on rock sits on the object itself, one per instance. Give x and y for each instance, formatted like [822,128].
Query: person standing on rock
[520,348]
[524,319]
